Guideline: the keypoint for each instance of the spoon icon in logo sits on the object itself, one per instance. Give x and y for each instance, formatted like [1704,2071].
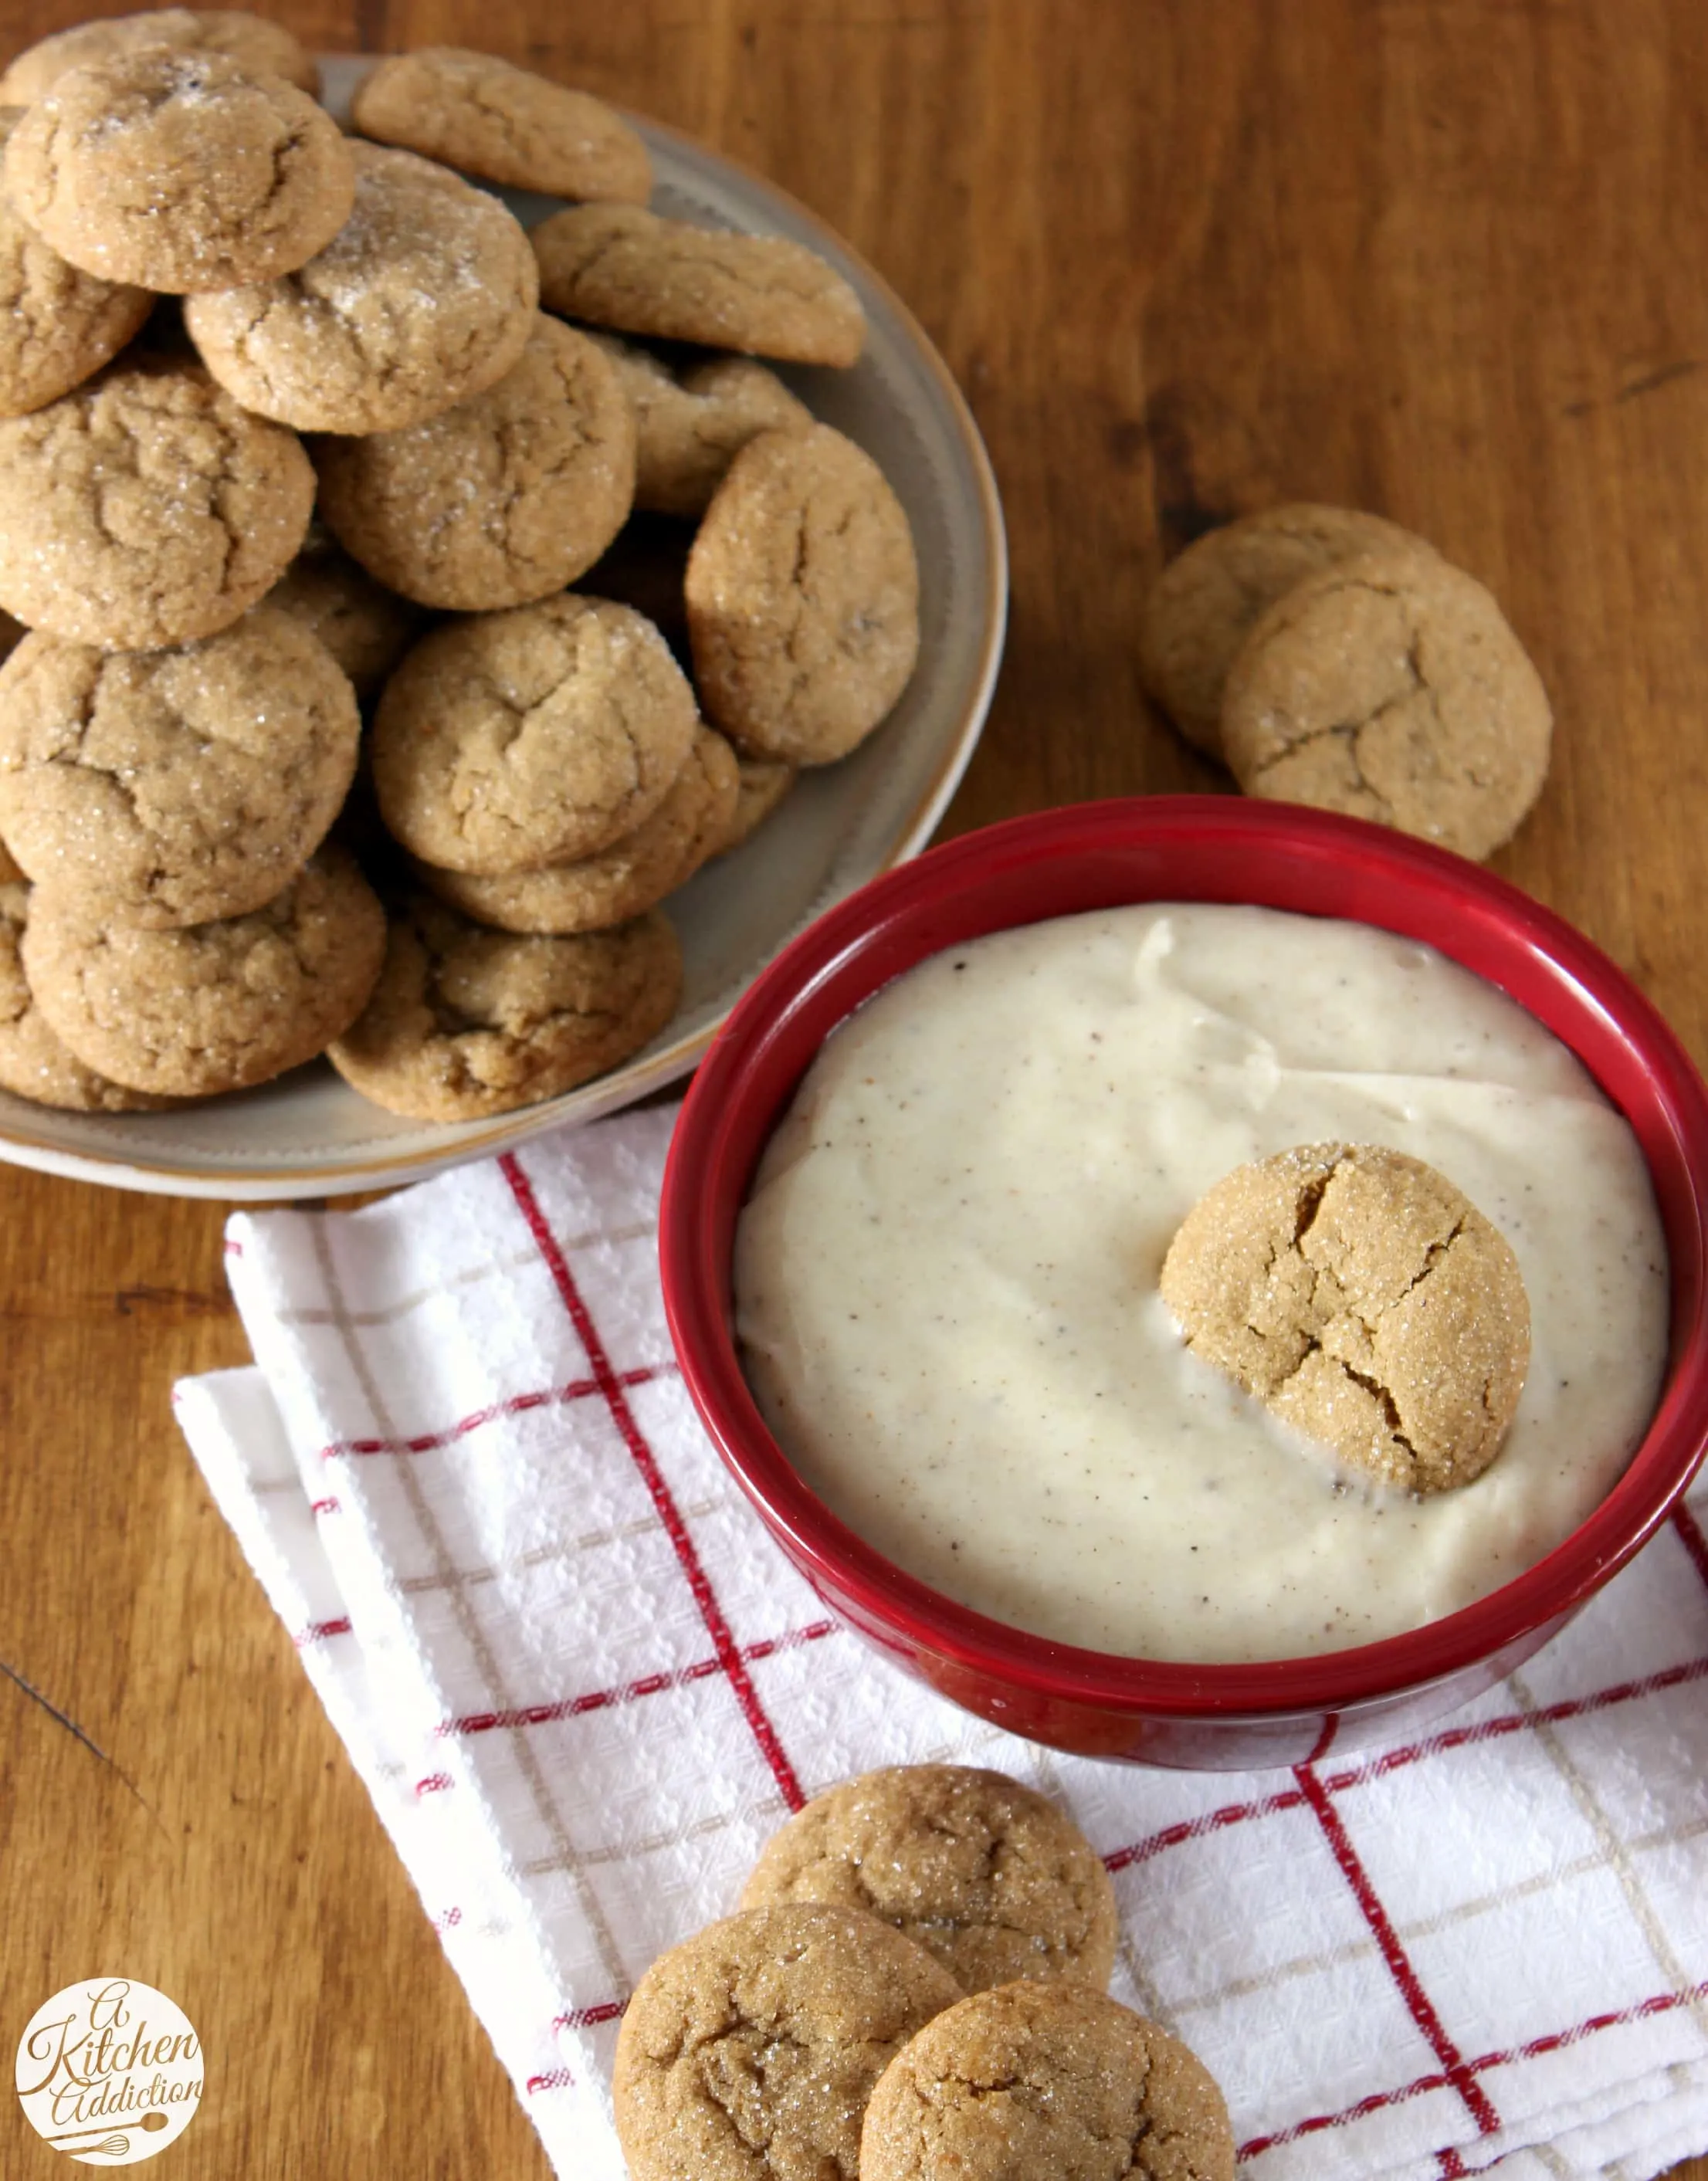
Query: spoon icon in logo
[115,2146]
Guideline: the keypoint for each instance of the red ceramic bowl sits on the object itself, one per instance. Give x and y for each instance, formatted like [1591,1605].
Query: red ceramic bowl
[1180,848]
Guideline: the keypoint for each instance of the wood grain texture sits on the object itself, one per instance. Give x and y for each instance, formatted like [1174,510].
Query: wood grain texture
[1435,257]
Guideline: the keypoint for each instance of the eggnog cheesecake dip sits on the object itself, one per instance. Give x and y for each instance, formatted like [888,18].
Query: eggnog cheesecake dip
[947,1277]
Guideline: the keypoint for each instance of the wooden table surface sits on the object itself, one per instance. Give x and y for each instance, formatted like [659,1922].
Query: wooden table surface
[1441,258]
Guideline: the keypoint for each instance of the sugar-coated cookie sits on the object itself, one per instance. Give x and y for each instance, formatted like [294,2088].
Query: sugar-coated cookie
[210,1007]
[762,784]
[1045,2082]
[263,48]
[146,508]
[748,2051]
[465,1022]
[57,325]
[366,627]
[634,874]
[501,500]
[491,118]
[510,741]
[1201,607]
[34,1064]
[1391,687]
[424,297]
[170,787]
[990,1877]
[1366,1300]
[176,171]
[691,425]
[803,597]
[617,265]
[644,566]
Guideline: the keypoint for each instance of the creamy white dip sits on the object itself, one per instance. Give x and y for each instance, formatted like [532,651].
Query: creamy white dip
[946,1276]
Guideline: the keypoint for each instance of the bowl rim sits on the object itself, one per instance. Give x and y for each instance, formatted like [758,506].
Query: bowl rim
[1487,918]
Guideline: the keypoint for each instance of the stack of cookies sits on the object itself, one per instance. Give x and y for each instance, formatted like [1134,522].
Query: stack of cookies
[350,473]
[1329,657]
[913,1989]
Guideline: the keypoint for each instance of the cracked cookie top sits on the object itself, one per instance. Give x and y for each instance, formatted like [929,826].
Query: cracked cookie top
[1391,687]
[425,295]
[748,2051]
[803,597]
[1201,607]
[504,498]
[34,1064]
[1366,1300]
[991,1878]
[1046,2082]
[210,1007]
[633,874]
[465,1023]
[57,325]
[263,48]
[146,508]
[689,427]
[515,740]
[174,169]
[169,788]
[491,118]
[615,265]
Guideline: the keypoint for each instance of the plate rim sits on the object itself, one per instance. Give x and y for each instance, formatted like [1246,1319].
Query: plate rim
[164,1176]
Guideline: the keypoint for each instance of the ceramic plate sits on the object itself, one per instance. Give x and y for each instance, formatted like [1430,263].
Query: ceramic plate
[310,1135]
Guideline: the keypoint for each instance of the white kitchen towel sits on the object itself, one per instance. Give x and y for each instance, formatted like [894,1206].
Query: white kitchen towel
[583,1687]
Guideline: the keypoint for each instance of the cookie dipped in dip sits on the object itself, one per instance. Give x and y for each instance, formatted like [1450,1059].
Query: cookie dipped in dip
[947,1277]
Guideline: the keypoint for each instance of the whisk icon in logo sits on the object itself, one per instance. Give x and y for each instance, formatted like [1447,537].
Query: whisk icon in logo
[109,2071]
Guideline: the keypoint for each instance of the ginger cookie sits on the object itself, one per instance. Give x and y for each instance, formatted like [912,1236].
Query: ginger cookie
[803,597]
[34,1064]
[760,786]
[748,2051]
[617,265]
[689,427]
[1204,604]
[262,47]
[57,325]
[176,171]
[366,627]
[501,500]
[644,566]
[505,124]
[171,788]
[465,1023]
[1045,2082]
[512,741]
[634,874]
[425,295]
[1367,1302]
[1391,687]
[210,1007]
[994,1881]
[146,508]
